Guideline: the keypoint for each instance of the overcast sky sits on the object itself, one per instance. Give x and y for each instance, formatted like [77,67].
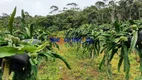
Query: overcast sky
[39,7]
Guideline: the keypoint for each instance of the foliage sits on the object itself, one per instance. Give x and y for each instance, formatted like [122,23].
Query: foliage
[102,12]
[35,49]
[112,27]
[120,38]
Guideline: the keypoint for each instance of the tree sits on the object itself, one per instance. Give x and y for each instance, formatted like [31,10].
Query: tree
[113,10]
[100,4]
[54,8]
[74,6]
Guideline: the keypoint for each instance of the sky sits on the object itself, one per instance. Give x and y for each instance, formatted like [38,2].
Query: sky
[39,7]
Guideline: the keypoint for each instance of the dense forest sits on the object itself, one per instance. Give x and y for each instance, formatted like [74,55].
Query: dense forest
[102,12]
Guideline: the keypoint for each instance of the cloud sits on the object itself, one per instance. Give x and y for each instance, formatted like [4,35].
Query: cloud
[38,7]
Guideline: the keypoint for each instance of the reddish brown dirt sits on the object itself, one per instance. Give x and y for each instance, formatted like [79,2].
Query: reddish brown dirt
[61,41]
[65,77]
[94,72]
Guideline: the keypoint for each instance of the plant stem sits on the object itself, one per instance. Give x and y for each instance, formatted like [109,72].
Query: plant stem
[6,66]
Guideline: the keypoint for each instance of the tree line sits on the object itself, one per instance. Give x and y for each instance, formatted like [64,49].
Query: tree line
[102,12]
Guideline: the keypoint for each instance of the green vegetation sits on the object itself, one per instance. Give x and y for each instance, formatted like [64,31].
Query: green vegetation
[116,40]
[115,52]
[102,12]
[83,67]
[20,53]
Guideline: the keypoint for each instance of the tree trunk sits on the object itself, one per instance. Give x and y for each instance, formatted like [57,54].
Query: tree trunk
[112,17]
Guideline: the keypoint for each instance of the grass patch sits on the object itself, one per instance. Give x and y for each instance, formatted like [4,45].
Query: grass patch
[83,68]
